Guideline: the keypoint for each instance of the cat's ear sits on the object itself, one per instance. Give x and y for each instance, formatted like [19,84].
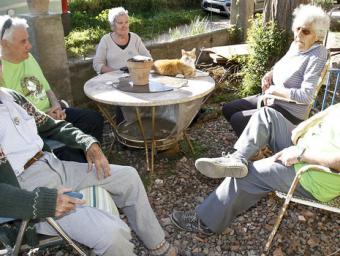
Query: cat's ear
[183,51]
[193,50]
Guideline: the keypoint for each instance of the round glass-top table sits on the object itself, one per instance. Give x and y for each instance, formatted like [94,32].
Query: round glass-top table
[187,94]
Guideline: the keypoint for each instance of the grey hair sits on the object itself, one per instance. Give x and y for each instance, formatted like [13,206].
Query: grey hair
[314,16]
[16,22]
[114,13]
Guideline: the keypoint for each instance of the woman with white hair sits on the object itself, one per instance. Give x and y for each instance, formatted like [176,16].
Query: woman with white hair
[117,47]
[294,77]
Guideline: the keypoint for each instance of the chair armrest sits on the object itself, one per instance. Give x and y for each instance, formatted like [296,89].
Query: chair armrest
[315,167]
[64,104]
[264,97]
[5,220]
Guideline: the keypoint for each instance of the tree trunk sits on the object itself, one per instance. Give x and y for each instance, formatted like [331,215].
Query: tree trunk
[281,12]
[240,14]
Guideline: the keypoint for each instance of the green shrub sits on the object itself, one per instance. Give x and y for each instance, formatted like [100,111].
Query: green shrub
[325,4]
[267,43]
[149,7]
[83,39]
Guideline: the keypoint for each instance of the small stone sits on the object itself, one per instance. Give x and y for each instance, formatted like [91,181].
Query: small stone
[312,242]
[159,182]
[278,252]
[166,221]
[308,214]
[234,248]
[199,199]
[302,218]
[196,250]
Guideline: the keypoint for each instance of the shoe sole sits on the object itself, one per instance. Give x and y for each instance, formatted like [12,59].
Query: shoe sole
[216,171]
[184,229]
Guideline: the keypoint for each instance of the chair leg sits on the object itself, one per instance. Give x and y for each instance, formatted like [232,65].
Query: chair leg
[20,236]
[62,233]
[282,211]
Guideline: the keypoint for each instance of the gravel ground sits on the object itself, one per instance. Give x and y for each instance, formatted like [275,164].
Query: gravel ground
[177,185]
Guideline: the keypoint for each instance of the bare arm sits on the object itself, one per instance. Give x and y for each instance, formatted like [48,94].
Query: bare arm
[278,91]
[330,160]
[289,156]
[105,69]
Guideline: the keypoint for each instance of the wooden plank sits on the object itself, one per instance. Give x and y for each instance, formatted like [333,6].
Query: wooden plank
[229,51]
[217,58]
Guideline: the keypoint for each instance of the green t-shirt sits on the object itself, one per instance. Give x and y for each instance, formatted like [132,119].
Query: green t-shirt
[325,137]
[28,79]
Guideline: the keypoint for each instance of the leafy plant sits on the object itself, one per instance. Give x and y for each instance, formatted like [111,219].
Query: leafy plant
[267,43]
[197,26]
[325,4]
[88,30]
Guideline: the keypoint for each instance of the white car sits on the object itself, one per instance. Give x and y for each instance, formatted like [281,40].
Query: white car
[223,6]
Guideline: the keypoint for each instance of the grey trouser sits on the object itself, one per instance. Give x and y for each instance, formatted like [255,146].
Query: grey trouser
[104,233]
[233,196]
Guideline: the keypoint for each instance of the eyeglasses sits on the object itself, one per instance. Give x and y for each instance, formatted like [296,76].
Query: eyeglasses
[304,31]
[7,25]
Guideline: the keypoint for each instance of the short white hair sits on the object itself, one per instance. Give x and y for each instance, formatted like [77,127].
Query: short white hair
[115,12]
[314,16]
[16,22]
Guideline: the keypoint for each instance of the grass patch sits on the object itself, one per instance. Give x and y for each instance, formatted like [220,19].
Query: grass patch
[199,148]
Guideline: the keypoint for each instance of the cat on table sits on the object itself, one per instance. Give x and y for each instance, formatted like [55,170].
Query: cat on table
[173,67]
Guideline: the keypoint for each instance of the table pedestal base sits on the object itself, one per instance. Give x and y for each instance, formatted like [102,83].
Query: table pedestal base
[129,134]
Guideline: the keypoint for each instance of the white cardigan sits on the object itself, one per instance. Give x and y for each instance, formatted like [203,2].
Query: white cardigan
[110,54]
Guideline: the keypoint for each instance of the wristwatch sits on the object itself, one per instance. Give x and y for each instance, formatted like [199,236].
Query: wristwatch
[299,158]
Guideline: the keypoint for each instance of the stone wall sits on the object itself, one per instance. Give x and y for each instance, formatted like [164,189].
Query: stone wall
[81,71]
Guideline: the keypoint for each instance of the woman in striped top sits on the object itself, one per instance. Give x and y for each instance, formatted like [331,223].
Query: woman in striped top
[294,76]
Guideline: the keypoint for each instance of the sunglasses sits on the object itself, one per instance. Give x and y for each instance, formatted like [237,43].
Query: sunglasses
[304,31]
[7,25]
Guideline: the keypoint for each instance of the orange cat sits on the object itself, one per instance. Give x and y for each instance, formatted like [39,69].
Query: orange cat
[173,67]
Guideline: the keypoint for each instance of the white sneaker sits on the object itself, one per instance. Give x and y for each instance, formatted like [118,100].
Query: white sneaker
[220,167]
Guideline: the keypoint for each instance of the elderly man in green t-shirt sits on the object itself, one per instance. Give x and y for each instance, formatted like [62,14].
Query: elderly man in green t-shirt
[22,73]
[314,141]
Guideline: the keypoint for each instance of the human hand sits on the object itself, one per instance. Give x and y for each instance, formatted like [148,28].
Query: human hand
[271,90]
[266,81]
[56,113]
[66,203]
[95,156]
[288,156]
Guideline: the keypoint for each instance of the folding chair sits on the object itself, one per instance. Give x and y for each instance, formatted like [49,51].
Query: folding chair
[16,249]
[330,97]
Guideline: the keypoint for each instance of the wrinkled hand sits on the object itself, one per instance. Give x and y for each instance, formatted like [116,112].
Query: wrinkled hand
[56,113]
[95,156]
[267,80]
[271,89]
[66,203]
[288,156]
